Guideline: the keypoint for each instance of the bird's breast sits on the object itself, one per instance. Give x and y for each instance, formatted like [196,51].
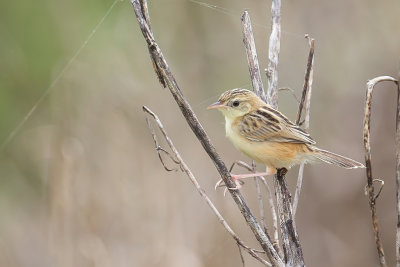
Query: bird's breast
[273,154]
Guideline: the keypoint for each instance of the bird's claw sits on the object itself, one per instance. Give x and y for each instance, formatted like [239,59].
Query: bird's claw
[237,187]
[218,184]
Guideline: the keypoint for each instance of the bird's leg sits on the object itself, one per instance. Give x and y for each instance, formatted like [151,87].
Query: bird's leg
[236,177]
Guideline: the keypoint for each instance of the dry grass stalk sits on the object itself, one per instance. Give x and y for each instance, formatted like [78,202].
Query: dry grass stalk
[252,59]
[291,244]
[306,102]
[258,88]
[273,54]
[370,190]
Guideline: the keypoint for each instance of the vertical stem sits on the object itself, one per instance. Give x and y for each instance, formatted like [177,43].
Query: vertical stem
[273,54]
[291,244]
[306,101]
[370,186]
[398,176]
[252,60]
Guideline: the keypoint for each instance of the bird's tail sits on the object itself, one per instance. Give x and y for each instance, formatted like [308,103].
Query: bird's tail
[336,159]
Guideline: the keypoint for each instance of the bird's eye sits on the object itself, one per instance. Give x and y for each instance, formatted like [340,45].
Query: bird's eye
[235,103]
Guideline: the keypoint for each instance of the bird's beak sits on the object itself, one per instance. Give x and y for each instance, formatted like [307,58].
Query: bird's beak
[216,105]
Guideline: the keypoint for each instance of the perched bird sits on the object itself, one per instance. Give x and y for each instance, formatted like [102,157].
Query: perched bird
[267,136]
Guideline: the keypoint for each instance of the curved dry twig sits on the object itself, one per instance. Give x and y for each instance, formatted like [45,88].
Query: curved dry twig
[159,149]
[291,91]
[370,181]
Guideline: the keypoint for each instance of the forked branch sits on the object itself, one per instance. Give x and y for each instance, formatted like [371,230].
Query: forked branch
[270,203]
[182,165]
[167,80]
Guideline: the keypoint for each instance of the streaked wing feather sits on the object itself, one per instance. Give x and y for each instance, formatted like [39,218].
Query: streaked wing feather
[267,124]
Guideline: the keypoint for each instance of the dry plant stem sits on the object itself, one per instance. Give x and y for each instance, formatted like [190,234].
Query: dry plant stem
[258,88]
[259,196]
[307,79]
[160,149]
[270,202]
[298,189]
[201,191]
[306,102]
[252,60]
[273,54]
[241,255]
[255,74]
[291,245]
[274,216]
[370,181]
[398,174]
[261,205]
[167,80]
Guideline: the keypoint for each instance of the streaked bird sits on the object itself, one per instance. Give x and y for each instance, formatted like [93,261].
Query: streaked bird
[267,136]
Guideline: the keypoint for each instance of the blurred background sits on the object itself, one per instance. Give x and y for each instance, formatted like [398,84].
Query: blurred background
[80,182]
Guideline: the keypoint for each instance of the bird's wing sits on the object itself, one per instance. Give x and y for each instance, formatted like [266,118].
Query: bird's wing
[268,124]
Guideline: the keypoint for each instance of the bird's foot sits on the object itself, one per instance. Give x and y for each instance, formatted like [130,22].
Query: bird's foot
[238,183]
[236,178]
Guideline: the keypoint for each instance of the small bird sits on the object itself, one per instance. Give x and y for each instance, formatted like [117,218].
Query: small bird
[267,136]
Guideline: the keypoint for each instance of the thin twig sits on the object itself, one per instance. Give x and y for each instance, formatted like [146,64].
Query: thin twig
[306,101]
[259,197]
[298,189]
[307,79]
[201,191]
[252,60]
[241,254]
[291,91]
[273,54]
[167,80]
[160,149]
[381,185]
[370,181]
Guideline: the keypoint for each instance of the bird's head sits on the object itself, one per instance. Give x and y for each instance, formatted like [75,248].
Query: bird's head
[236,103]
